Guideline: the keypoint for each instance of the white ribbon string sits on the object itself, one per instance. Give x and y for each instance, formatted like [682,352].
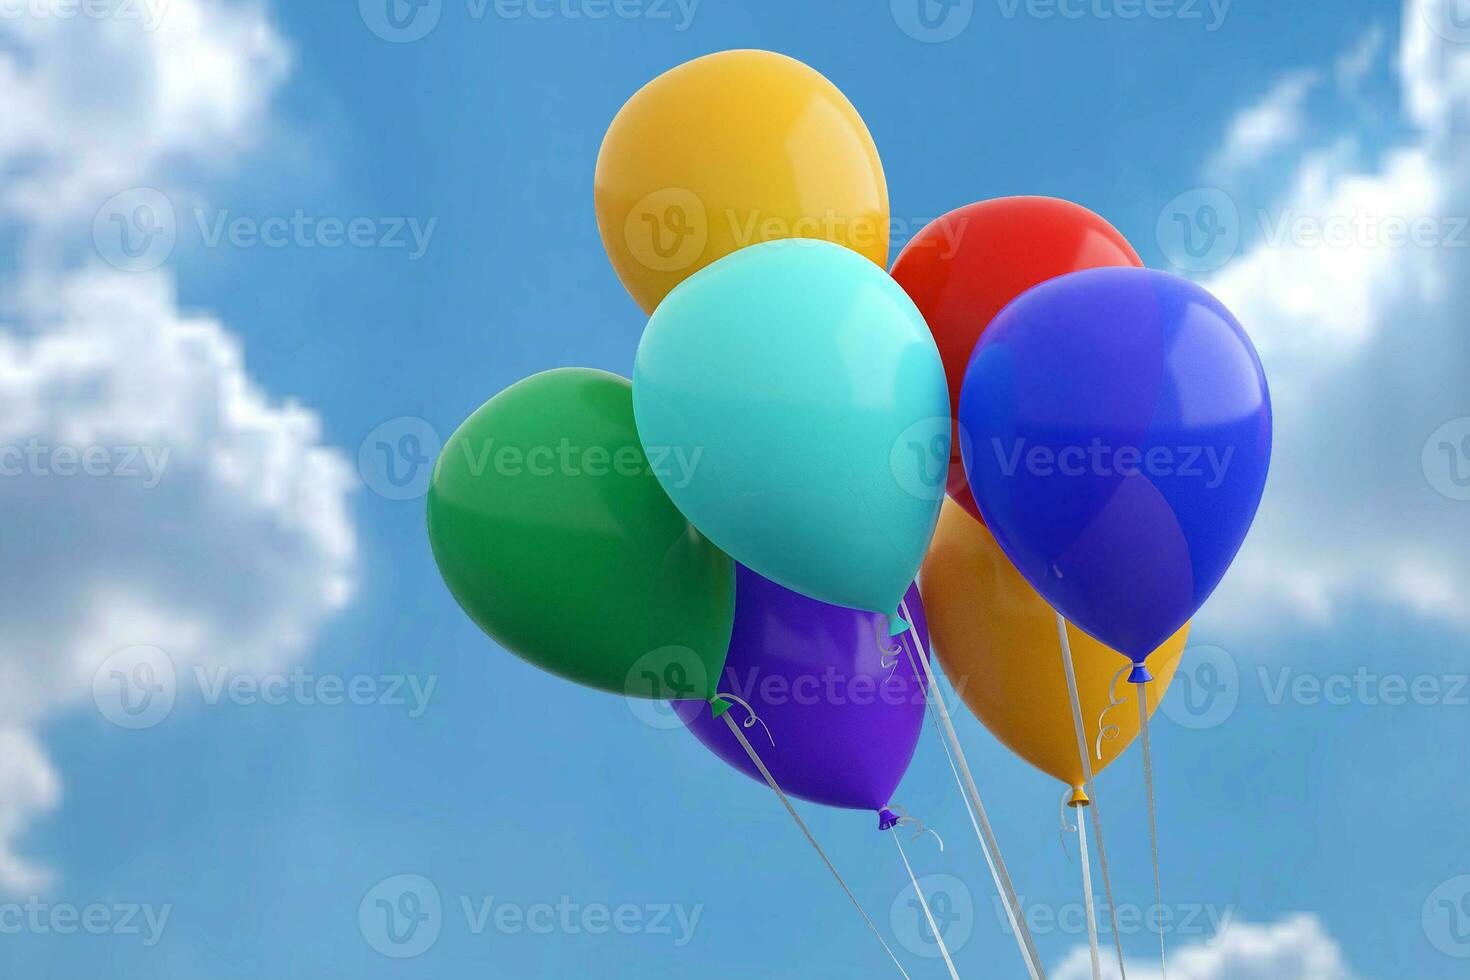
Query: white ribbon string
[989,846]
[1153,822]
[800,823]
[924,904]
[1066,644]
[1087,782]
[1102,860]
[1087,899]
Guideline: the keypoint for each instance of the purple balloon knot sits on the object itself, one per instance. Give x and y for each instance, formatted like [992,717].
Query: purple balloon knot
[887,819]
[1140,674]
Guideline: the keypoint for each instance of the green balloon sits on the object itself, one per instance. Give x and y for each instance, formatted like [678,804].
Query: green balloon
[551,529]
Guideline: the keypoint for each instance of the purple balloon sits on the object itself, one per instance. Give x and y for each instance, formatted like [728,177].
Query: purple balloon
[837,694]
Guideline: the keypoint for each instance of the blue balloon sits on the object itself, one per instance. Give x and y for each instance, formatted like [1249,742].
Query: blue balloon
[789,397]
[1116,431]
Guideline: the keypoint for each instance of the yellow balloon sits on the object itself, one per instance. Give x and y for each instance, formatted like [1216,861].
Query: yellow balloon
[997,640]
[729,150]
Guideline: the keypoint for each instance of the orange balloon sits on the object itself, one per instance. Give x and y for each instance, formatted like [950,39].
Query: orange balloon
[997,639]
[726,151]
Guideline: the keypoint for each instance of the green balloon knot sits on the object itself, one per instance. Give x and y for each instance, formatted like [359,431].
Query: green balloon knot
[897,624]
[718,706]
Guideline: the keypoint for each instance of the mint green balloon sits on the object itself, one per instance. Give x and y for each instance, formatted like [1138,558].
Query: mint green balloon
[806,386]
[551,530]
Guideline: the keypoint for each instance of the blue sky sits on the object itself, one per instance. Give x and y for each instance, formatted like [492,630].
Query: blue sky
[1313,809]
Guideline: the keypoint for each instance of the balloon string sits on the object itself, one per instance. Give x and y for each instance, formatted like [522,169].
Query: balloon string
[801,824]
[1082,753]
[1102,859]
[1105,731]
[989,846]
[1088,783]
[1153,822]
[750,716]
[924,904]
[1087,899]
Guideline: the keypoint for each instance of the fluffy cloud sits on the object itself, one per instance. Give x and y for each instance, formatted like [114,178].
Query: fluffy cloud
[1353,284]
[153,493]
[1297,948]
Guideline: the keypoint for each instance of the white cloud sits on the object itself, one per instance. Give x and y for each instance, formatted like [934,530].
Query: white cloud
[94,105]
[1357,63]
[152,492]
[1296,948]
[1363,339]
[1268,125]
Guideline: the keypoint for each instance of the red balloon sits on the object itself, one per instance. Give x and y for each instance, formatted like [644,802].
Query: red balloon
[965,266]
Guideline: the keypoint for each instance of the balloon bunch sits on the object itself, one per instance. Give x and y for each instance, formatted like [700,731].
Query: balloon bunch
[744,520]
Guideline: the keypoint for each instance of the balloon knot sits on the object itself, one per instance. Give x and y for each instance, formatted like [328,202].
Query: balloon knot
[718,706]
[1079,798]
[1140,674]
[887,819]
[896,624]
